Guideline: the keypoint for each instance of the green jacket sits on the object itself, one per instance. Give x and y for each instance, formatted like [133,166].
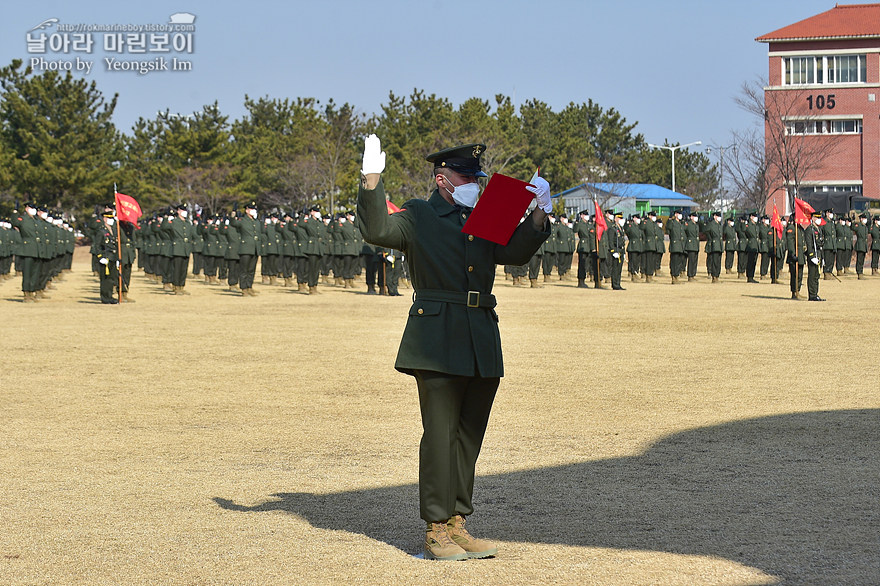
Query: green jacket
[861,232]
[444,336]
[875,236]
[311,231]
[27,227]
[752,235]
[248,233]
[843,236]
[233,241]
[691,236]
[181,234]
[829,235]
[675,230]
[635,236]
[714,236]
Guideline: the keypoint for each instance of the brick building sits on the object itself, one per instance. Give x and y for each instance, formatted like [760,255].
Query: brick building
[822,114]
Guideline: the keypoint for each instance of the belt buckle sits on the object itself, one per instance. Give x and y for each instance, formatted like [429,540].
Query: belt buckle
[473,299]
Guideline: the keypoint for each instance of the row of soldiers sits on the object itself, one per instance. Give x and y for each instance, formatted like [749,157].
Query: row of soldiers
[643,240]
[293,248]
[41,242]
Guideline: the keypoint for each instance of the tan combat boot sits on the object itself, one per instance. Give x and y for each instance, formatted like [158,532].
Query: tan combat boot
[475,548]
[29,297]
[440,546]
[874,272]
[41,294]
[125,298]
[546,278]
[313,290]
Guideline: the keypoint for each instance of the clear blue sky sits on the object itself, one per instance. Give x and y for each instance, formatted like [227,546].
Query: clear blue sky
[672,66]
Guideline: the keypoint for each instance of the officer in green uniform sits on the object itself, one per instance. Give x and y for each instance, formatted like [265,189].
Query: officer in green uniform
[26,224]
[582,231]
[741,254]
[714,246]
[616,242]
[313,229]
[692,244]
[649,238]
[843,244]
[829,244]
[108,258]
[728,235]
[248,248]
[181,233]
[349,249]
[814,241]
[860,231]
[766,235]
[677,255]
[660,244]
[875,245]
[231,257]
[634,247]
[796,249]
[751,233]
[451,343]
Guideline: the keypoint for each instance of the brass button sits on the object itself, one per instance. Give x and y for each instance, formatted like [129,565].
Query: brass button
[464,216]
[471,237]
[421,311]
[471,269]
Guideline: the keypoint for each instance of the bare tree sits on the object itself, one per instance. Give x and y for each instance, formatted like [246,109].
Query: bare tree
[788,153]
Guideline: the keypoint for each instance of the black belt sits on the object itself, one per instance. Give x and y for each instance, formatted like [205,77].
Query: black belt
[471,298]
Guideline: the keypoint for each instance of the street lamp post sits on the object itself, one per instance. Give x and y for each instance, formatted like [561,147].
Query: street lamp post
[672,149]
[721,150]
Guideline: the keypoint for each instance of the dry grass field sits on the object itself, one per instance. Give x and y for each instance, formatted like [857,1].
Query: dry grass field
[688,434]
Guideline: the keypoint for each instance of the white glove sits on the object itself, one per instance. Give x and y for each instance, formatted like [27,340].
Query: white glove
[541,189]
[118,265]
[104,261]
[390,258]
[374,156]
[616,255]
[815,261]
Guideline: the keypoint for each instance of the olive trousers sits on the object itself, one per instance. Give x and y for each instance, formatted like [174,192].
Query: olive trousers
[455,412]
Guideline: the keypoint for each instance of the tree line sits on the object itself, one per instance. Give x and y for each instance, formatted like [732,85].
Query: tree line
[59,146]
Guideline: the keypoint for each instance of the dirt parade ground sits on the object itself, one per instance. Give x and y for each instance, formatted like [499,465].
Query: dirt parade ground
[666,434]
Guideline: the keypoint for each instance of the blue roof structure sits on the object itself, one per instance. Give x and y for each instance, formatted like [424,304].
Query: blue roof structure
[655,193]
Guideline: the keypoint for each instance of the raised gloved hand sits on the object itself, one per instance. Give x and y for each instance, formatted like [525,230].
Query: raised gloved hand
[815,261]
[541,189]
[390,258]
[104,261]
[616,255]
[374,156]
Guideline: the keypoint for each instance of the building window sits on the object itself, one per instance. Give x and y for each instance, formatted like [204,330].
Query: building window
[813,189]
[814,126]
[800,70]
[832,69]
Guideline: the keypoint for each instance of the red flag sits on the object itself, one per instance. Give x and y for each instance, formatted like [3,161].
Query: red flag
[391,207]
[127,209]
[601,224]
[776,222]
[802,212]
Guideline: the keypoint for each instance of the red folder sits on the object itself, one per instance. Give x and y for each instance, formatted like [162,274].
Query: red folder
[499,210]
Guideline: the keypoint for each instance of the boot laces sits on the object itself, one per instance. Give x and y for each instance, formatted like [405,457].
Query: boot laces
[441,536]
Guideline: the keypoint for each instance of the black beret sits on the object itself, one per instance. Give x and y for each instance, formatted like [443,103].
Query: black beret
[464,160]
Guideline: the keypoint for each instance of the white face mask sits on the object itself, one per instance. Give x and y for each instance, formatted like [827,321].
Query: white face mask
[109,221]
[183,214]
[31,212]
[817,221]
[637,221]
[621,222]
[43,215]
[252,213]
[864,220]
[464,195]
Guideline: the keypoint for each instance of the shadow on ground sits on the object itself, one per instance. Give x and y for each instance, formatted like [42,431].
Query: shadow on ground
[796,496]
